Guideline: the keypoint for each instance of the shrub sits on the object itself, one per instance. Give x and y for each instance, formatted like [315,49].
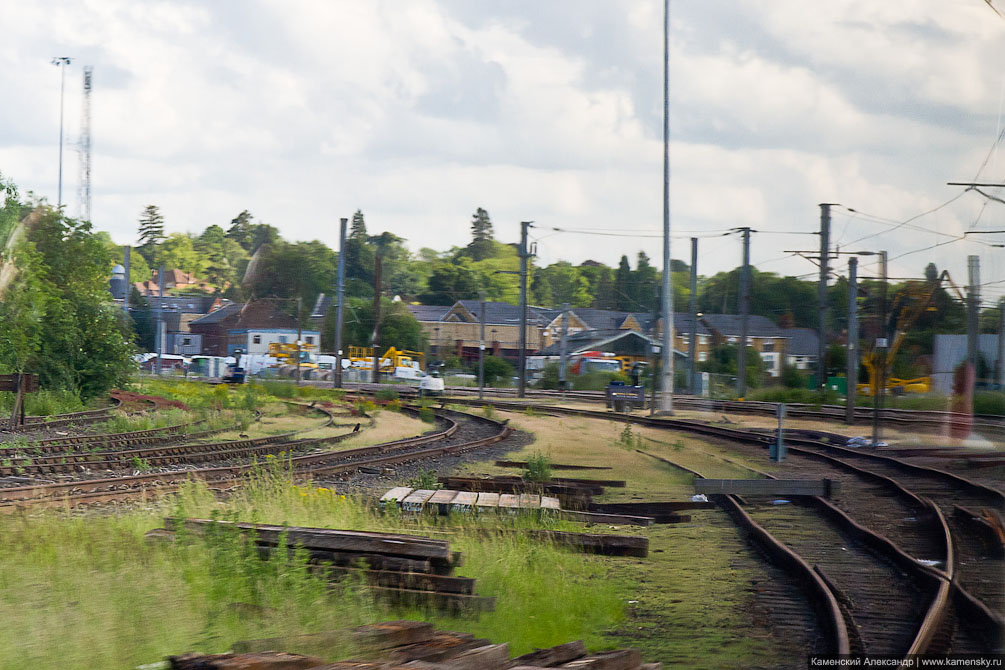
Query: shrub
[596,381]
[427,415]
[538,468]
[489,412]
[393,405]
[386,395]
[426,479]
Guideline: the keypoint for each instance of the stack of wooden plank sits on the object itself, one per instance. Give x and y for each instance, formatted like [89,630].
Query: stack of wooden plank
[444,501]
[572,493]
[407,644]
[406,569]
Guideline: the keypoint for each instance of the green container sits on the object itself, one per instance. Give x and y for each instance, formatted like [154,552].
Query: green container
[839,384]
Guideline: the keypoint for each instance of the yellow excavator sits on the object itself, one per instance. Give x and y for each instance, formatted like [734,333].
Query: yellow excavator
[394,361]
[913,301]
[286,354]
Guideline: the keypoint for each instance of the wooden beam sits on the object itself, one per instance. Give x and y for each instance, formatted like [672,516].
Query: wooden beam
[544,658]
[591,543]
[554,466]
[768,487]
[597,517]
[621,659]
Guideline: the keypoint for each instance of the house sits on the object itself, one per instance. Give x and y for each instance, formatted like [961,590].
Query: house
[455,329]
[803,348]
[173,279]
[250,327]
[620,342]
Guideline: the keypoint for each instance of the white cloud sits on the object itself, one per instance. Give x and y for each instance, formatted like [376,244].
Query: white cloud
[420,112]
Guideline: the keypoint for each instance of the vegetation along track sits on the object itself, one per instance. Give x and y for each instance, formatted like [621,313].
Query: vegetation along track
[985,424]
[905,510]
[456,432]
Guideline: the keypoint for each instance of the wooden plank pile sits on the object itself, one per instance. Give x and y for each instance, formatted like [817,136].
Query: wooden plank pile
[444,501]
[406,644]
[404,569]
[769,487]
[572,493]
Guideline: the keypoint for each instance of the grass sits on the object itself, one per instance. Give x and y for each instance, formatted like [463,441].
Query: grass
[88,591]
[692,600]
[44,403]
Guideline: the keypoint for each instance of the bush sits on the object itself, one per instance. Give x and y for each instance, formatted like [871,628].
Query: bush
[496,368]
[538,468]
[796,395]
[426,479]
[386,394]
[792,378]
[427,415]
[990,402]
[596,381]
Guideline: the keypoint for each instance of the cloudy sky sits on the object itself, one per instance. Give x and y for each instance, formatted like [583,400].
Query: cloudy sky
[419,111]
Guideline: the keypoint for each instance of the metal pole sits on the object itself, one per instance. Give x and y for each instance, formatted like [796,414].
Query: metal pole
[300,335]
[973,309]
[1001,344]
[159,338]
[524,225]
[378,263]
[692,308]
[741,358]
[340,294]
[563,354]
[481,350]
[825,236]
[881,352]
[852,350]
[61,62]
[129,284]
[666,386]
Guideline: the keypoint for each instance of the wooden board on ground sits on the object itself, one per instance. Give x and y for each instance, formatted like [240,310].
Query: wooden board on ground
[333,540]
[650,508]
[551,656]
[768,487]
[591,543]
[509,501]
[621,659]
[464,501]
[548,502]
[397,494]
[554,466]
[487,500]
[615,519]
[372,637]
[441,500]
[416,500]
[530,501]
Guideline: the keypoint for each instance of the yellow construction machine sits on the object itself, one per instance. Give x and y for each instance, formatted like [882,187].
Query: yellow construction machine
[394,361]
[913,301]
[286,354]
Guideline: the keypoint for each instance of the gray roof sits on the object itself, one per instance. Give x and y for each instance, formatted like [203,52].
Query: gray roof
[802,341]
[219,315]
[505,314]
[586,340]
[321,306]
[729,324]
[428,312]
[191,304]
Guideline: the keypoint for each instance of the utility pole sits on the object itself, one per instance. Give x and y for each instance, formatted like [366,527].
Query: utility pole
[1001,344]
[692,308]
[85,148]
[481,349]
[300,334]
[563,356]
[129,284]
[340,310]
[741,359]
[377,263]
[881,351]
[852,351]
[666,378]
[63,62]
[159,337]
[825,238]
[524,254]
[973,309]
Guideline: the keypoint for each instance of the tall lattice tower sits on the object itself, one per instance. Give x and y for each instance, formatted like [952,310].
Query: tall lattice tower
[84,188]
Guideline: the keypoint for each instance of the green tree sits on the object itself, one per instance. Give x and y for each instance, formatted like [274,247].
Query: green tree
[57,318]
[566,284]
[450,282]
[481,246]
[497,369]
[151,232]
[178,251]
[398,328]
[242,230]
[622,285]
[723,359]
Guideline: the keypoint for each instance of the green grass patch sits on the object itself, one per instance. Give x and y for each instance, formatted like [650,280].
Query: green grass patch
[91,592]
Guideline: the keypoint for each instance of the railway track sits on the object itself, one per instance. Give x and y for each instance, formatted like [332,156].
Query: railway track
[986,424]
[456,433]
[898,504]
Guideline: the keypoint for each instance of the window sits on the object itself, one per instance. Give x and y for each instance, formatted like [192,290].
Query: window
[732,340]
[256,339]
[702,356]
[282,339]
[768,345]
[186,340]
[310,339]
